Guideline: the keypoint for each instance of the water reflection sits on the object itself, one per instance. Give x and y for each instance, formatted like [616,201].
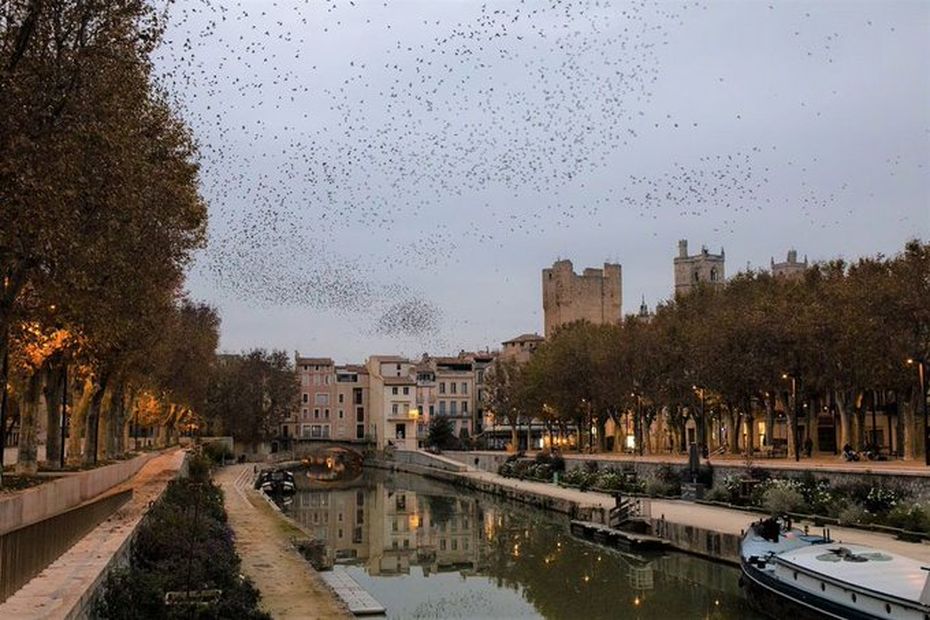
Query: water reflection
[427,550]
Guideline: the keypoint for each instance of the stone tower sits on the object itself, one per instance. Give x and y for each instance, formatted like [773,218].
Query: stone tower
[594,296]
[791,268]
[703,267]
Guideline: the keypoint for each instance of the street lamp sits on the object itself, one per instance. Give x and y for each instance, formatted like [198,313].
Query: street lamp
[921,378]
[794,399]
[700,426]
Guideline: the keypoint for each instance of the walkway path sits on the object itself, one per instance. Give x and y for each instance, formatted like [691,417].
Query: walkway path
[290,587]
[713,518]
[63,589]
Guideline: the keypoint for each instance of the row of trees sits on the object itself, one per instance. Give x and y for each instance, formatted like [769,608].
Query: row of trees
[99,215]
[842,334]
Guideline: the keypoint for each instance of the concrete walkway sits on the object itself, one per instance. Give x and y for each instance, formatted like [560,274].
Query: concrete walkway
[64,588]
[714,518]
[290,587]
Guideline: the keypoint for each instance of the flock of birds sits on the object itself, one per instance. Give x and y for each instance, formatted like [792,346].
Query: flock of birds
[346,143]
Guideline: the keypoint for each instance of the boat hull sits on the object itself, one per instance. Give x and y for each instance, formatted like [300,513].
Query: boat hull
[778,599]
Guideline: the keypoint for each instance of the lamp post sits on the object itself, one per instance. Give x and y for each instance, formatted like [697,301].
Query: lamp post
[794,400]
[921,378]
[700,426]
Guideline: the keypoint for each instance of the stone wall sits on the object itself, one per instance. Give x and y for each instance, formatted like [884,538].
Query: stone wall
[51,498]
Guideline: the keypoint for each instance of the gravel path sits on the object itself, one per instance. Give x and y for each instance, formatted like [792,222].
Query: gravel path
[290,587]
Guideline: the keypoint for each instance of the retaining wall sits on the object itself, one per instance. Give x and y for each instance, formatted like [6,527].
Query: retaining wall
[47,500]
[427,459]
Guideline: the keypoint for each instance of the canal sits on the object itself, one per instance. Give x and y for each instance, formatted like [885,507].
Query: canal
[428,550]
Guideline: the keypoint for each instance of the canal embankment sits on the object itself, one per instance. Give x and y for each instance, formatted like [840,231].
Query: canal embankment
[705,530]
[68,587]
[289,586]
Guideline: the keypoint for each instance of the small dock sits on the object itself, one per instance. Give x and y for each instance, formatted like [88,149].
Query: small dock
[617,539]
[356,598]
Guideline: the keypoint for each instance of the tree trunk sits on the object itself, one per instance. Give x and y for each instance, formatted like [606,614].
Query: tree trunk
[845,423]
[26,461]
[78,415]
[54,388]
[733,434]
[910,425]
[769,419]
[92,424]
[115,420]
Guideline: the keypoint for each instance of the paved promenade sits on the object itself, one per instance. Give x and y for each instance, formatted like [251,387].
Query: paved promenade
[290,587]
[63,587]
[714,518]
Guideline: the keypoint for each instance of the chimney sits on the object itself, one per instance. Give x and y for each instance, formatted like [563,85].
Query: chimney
[683,248]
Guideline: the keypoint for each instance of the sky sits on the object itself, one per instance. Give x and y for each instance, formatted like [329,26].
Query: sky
[392,176]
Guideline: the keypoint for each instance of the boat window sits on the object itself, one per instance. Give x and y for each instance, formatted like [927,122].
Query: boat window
[823,587]
[795,575]
[887,608]
[854,597]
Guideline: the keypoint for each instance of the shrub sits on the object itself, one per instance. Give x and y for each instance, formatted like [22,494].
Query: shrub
[591,467]
[779,499]
[717,494]
[853,514]
[661,488]
[217,452]
[913,518]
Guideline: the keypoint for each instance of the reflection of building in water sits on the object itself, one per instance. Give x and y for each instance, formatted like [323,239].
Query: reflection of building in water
[338,518]
[390,530]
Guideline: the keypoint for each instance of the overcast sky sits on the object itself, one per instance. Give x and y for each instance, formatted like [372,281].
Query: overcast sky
[391,177]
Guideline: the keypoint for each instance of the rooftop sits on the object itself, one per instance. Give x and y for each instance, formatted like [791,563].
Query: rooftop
[525,338]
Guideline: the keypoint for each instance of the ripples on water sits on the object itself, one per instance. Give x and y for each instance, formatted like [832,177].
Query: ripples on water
[427,550]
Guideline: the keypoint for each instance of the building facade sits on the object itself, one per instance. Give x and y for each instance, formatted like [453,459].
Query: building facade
[594,296]
[692,270]
[791,268]
[333,402]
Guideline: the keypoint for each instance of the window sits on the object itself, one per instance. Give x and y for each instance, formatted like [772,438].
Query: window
[359,414]
[431,410]
[341,414]
[321,398]
[442,387]
[360,431]
[316,379]
[316,414]
[400,431]
[480,376]
[452,387]
[464,406]
[453,407]
[394,408]
[357,396]
[326,413]
[442,407]
[464,388]
[713,274]
[406,391]
[394,391]
[342,398]
[306,397]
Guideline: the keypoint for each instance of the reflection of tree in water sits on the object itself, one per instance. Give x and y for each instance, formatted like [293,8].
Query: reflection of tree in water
[441,509]
[564,578]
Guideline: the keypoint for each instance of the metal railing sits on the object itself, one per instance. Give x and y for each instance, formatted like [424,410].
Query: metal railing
[26,551]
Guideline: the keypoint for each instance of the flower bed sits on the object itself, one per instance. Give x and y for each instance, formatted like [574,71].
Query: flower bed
[884,507]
